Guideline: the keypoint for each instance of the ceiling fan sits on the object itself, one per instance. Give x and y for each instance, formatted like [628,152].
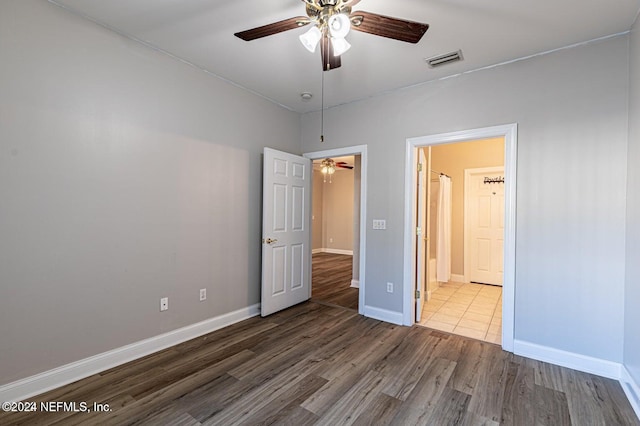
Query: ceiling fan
[343,165]
[332,20]
[329,165]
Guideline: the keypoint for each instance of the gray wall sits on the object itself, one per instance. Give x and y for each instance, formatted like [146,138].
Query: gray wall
[337,214]
[125,176]
[632,294]
[317,205]
[571,109]
[333,210]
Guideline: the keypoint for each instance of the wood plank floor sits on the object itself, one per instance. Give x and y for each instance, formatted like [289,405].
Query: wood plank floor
[324,365]
[331,280]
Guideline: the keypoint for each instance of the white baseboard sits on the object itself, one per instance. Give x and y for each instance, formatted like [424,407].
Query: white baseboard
[587,364]
[631,389]
[355,283]
[572,360]
[332,251]
[456,278]
[69,373]
[338,251]
[383,314]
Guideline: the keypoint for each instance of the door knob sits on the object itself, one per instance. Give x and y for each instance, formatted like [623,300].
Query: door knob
[269,241]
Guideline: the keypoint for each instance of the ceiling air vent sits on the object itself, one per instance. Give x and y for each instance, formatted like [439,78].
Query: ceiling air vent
[447,58]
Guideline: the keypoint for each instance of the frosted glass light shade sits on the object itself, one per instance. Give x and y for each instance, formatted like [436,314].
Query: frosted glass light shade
[311,38]
[340,46]
[339,25]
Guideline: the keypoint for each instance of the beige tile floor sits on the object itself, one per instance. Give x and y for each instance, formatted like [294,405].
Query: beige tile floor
[471,310]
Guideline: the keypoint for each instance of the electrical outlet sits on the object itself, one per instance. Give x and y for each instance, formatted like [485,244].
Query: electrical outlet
[203,294]
[164,304]
[389,287]
[330,240]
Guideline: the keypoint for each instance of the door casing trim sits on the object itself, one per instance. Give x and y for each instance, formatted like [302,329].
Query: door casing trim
[360,150]
[510,134]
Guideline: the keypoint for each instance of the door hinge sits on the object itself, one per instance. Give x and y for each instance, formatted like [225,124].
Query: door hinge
[417,294]
[419,167]
[418,231]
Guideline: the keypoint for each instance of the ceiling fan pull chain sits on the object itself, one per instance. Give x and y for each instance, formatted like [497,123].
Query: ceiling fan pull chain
[322,110]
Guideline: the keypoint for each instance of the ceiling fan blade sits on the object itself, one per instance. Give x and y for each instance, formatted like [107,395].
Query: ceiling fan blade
[329,61]
[343,164]
[385,26]
[275,28]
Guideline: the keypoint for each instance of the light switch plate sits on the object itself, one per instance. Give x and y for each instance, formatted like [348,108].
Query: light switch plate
[379,224]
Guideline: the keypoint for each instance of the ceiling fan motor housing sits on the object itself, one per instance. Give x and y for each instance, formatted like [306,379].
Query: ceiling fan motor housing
[324,12]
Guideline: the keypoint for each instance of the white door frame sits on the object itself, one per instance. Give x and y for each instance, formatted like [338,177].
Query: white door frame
[422,245]
[360,150]
[510,134]
[465,216]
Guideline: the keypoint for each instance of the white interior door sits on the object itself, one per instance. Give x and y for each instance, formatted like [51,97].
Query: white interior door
[286,236]
[485,223]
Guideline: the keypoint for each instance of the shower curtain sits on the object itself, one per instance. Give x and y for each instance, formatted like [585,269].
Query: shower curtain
[443,237]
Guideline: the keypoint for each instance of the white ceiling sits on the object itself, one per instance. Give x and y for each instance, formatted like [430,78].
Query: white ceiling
[279,68]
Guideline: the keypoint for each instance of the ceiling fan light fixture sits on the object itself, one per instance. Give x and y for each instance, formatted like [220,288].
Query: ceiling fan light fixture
[339,25]
[334,19]
[311,38]
[340,46]
[327,167]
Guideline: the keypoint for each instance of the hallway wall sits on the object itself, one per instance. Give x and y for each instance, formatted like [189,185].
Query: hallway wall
[334,219]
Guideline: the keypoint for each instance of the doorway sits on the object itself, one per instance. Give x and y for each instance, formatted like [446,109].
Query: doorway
[334,233]
[509,135]
[358,277]
[465,237]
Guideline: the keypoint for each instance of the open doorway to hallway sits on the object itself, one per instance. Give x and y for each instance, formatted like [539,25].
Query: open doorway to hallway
[335,231]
